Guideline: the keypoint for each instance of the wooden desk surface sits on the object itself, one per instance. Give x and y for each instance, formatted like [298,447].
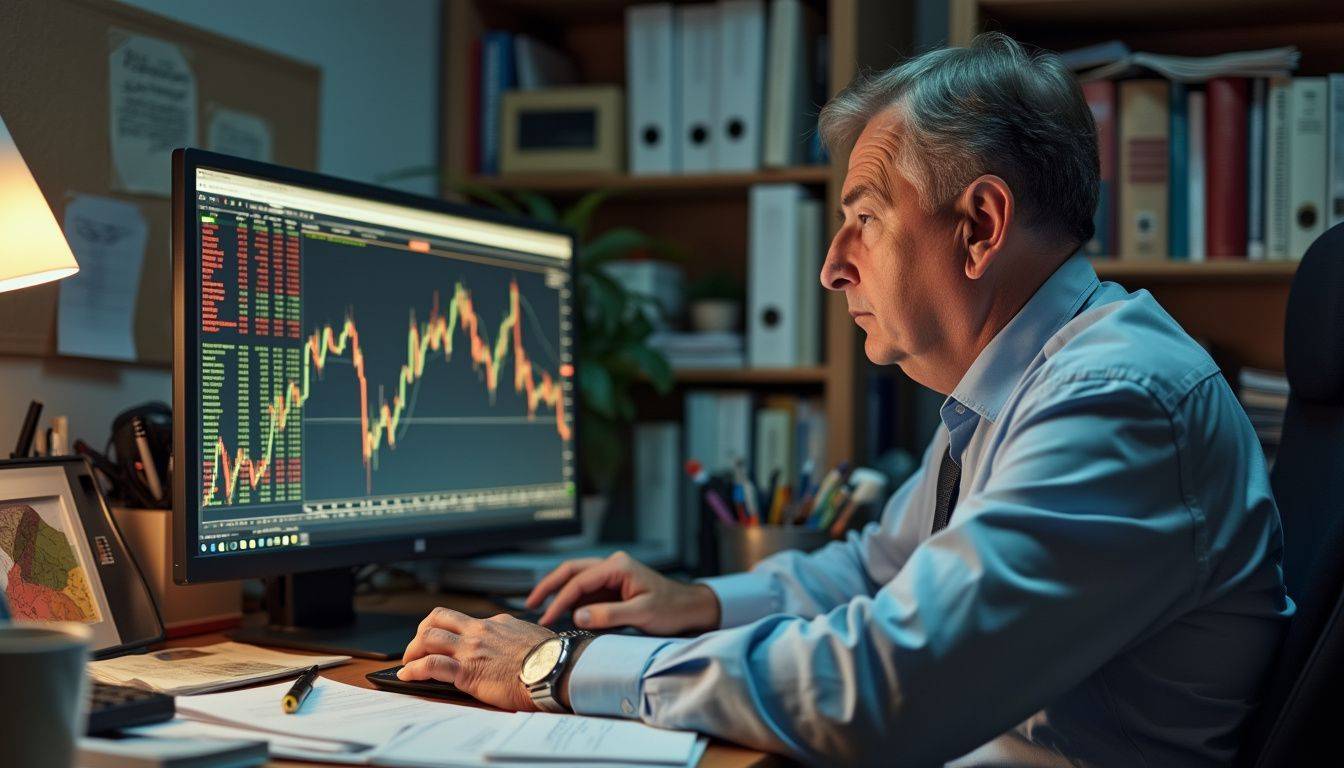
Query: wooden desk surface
[719,754]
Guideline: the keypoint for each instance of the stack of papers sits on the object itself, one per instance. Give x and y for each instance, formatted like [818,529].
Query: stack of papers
[186,671]
[347,724]
[1116,60]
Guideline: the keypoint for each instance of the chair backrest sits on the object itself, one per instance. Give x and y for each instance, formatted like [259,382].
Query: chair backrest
[1292,726]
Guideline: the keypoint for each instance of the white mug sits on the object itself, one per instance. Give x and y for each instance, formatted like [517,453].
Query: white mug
[44,704]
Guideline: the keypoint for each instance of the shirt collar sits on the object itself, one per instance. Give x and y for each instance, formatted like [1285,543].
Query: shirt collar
[1000,365]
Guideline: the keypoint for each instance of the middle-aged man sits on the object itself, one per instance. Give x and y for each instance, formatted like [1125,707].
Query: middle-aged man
[1106,591]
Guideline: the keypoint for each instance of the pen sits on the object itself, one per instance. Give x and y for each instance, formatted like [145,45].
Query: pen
[299,691]
[147,458]
[823,494]
[701,479]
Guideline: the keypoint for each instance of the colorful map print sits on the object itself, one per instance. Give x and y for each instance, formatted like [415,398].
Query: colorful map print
[39,572]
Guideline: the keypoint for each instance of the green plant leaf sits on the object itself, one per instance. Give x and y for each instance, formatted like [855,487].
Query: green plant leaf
[484,194]
[613,244]
[596,387]
[538,206]
[602,451]
[654,366]
[580,215]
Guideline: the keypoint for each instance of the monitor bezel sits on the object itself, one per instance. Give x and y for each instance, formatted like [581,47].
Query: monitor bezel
[189,567]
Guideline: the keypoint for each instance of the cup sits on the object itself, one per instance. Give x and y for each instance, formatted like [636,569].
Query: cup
[741,547]
[43,707]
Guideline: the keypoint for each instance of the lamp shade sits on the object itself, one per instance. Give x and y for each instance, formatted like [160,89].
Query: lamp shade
[32,248]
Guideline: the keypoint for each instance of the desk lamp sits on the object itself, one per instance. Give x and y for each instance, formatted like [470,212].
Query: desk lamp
[32,248]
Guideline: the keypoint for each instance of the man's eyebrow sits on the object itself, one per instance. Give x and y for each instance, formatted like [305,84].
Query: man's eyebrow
[854,194]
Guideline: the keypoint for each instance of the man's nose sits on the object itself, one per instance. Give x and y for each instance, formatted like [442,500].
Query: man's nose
[837,272]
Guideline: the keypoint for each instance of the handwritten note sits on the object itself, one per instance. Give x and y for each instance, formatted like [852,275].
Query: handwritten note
[96,315]
[151,111]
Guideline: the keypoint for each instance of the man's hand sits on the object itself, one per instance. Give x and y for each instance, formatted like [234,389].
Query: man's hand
[621,591]
[480,656]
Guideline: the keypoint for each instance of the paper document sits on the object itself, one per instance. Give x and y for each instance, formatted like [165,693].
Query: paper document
[361,717]
[279,746]
[97,305]
[186,671]
[574,739]
[151,109]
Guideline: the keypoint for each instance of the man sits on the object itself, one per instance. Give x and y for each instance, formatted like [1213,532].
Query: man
[1106,591]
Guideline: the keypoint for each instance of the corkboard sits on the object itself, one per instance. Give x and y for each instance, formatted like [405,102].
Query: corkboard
[54,98]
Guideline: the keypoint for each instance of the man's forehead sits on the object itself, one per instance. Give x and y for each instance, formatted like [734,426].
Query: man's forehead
[872,162]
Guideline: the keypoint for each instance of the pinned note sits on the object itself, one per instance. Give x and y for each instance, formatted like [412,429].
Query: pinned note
[151,111]
[96,315]
[238,133]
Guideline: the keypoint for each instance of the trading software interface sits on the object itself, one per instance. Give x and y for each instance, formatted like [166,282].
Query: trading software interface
[371,370]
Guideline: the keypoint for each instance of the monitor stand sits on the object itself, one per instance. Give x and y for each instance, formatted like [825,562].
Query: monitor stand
[316,612]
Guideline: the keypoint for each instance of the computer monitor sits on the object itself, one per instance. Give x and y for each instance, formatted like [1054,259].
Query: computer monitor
[360,376]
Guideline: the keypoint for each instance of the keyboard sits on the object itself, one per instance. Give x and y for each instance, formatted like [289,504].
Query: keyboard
[120,706]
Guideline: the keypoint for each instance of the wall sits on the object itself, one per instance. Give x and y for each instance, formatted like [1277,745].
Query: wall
[380,107]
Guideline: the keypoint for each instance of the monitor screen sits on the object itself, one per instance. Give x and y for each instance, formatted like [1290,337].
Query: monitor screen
[361,370]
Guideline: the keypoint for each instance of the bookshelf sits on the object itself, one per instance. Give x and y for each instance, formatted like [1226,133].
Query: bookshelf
[705,214]
[1237,305]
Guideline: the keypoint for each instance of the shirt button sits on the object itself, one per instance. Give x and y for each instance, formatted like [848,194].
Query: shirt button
[961,409]
[627,707]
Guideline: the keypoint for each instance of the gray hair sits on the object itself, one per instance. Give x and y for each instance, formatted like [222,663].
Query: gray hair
[987,108]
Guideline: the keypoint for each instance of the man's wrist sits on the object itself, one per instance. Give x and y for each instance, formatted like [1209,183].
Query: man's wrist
[712,615]
[580,644]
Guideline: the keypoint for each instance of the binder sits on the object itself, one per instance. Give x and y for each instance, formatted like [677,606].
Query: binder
[1226,166]
[1306,164]
[1335,196]
[651,89]
[497,76]
[786,87]
[1181,176]
[742,81]
[1143,169]
[775,264]
[697,54]
[657,487]
[1277,111]
[809,283]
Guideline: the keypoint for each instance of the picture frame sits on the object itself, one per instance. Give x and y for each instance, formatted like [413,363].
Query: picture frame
[567,129]
[62,557]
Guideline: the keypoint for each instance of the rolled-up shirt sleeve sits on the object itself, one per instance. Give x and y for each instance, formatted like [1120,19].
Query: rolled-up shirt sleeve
[1079,541]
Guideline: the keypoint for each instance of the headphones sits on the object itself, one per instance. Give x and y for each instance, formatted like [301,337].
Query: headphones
[120,460]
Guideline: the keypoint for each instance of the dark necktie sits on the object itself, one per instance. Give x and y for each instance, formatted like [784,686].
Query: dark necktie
[949,477]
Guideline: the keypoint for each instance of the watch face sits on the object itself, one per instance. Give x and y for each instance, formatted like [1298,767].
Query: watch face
[541,661]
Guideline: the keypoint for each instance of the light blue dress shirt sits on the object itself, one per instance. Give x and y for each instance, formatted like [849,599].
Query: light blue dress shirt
[1109,591]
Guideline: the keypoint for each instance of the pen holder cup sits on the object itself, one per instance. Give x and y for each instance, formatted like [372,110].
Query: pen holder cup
[741,547]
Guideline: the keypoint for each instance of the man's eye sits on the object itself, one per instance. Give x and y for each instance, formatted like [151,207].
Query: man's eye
[863,218]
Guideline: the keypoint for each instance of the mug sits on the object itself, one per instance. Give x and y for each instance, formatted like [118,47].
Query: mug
[45,692]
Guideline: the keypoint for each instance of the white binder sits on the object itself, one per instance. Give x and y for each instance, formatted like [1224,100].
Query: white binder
[741,101]
[775,267]
[697,53]
[651,88]
[786,87]
[813,249]
[1307,164]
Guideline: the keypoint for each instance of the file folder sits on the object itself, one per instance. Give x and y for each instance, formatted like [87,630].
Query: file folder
[651,88]
[742,82]
[697,30]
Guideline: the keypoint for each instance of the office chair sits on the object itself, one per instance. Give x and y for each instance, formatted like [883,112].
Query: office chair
[1292,726]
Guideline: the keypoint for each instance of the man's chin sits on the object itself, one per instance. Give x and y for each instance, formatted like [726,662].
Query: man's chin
[880,353]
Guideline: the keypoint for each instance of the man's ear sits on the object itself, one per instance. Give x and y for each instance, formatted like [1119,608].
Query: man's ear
[987,209]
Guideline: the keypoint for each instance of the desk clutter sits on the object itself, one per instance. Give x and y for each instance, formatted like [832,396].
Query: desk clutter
[342,723]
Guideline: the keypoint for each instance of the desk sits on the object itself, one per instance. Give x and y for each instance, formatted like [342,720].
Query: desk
[719,754]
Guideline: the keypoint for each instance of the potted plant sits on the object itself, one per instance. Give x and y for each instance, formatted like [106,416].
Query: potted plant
[715,303]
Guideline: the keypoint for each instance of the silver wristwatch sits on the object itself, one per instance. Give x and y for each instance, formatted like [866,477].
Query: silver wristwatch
[545,664]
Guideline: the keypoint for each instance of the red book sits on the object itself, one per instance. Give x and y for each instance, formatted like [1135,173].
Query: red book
[1225,168]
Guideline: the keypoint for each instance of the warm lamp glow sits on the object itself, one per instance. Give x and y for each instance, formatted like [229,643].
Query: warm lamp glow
[32,248]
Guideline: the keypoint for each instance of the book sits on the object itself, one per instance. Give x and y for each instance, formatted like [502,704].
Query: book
[1225,165]
[1278,105]
[657,487]
[1100,97]
[1307,164]
[538,65]
[1255,171]
[1335,192]
[1270,62]
[497,76]
[1181,181]
[1144,131]
[1195,181]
